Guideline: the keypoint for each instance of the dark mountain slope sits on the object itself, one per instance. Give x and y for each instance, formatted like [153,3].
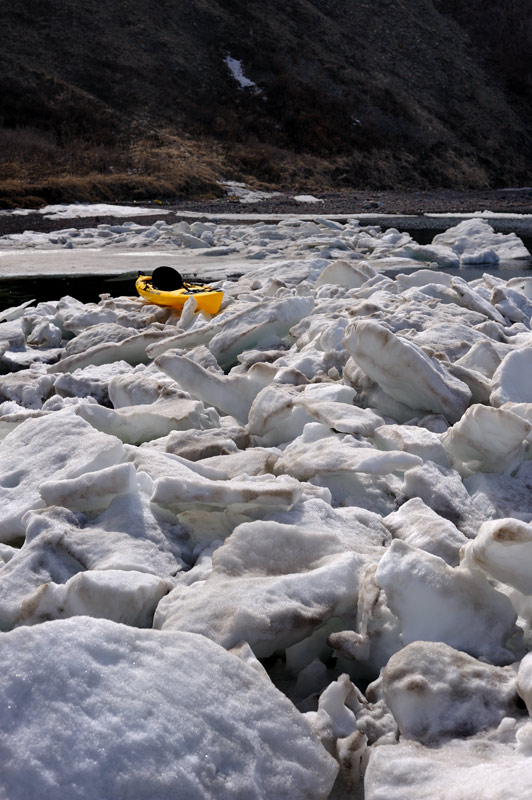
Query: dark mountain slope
[382,93]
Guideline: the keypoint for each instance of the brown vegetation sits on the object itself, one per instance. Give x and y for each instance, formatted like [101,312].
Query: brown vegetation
[35,170]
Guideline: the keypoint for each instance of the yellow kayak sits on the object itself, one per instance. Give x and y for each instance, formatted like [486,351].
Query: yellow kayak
[165,287]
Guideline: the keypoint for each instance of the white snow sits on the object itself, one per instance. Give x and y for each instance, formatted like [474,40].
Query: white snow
[323,489]
[236,69]
[244,193]
[307,198]
[77,210]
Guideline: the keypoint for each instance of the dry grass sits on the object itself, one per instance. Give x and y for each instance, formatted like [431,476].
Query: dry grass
[35,170]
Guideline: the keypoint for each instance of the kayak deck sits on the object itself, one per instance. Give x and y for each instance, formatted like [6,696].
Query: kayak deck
[207,298]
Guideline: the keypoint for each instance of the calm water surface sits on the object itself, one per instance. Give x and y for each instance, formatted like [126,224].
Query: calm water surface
[86,288]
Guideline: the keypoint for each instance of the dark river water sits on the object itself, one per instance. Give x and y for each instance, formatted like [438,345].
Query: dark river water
[14,291]
[86,288]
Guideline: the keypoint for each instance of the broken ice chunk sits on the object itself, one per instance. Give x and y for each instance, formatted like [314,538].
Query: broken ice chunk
[412,439]
[91,491]
[272,585]
[143,713]
[458,769]
[28,387]
[443,490]
[141,386]
[273,416]
[195,444]
[346,273]
[436,602]
[232,394]
[307,456]
[121,595]
[59,445]
[260,490]
[435,692]
[487,440]
[341,417]
[90,381]
[129,535]
[404,371]
[263,323]
[511,382]
[503,549]
[142,423]
[132,350]
[420,526]
[336,725]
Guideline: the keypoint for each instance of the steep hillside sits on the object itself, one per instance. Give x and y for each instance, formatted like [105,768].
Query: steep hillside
[382,94]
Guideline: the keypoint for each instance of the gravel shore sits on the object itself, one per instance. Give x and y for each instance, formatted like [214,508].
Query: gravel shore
[518,201]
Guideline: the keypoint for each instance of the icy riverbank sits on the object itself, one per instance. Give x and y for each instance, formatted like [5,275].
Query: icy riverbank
[320,494]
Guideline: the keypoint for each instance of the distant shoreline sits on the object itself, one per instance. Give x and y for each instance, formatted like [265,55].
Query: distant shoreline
[518,201]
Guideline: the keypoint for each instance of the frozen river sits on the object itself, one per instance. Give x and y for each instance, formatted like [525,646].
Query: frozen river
[86,261]
[86,252]
[282,552]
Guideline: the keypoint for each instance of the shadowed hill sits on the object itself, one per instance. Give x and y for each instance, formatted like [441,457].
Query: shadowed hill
[383,94]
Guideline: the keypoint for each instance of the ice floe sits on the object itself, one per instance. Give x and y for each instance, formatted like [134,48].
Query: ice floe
[258,554]
[293,239]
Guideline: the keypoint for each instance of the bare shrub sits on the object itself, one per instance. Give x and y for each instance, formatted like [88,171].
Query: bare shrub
[26,142]
[258,161]
[86,158]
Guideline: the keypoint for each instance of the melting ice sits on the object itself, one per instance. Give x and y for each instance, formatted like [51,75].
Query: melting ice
[283,552]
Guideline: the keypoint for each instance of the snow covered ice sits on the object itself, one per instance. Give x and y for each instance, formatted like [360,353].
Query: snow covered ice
[282,552]
[127,715]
